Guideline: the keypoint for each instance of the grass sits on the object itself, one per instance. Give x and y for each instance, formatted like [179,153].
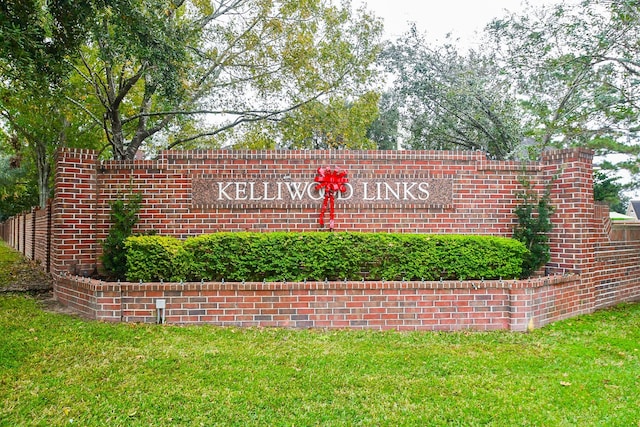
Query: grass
[59,370]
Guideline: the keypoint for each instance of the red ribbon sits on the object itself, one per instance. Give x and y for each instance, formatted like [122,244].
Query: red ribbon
[332,181]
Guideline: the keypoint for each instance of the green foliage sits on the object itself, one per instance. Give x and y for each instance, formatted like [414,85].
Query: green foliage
[336,124]
[608,189]
[574,67]
[282,256]
[38,41]
[37,36]
[332,124]
[159,69]
[153,258]
[156,74]
[39,122]
[553,76]
[18,192]
[534,222]
[450,100]
[384,129]
[123,216]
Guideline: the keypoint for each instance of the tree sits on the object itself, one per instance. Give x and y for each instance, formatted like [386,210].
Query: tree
[41,128]
[123,217]
[576,70]
[40,122]
[452,101]
[384,129]
[37,38]
[334,125]
[608,189]
[534,224]
[18,191]
[171,73]
[159,71]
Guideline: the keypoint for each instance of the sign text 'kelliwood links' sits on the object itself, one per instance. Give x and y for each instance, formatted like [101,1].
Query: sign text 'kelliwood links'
[212,192]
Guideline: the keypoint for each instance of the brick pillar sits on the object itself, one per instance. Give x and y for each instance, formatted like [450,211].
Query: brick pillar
[574,234]
[49,229]
[74,240]
[33,234]
[23,234]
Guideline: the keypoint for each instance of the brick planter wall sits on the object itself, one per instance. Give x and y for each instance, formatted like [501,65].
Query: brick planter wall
[444,306]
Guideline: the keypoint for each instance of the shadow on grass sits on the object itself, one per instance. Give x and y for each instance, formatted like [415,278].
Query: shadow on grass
[18,274]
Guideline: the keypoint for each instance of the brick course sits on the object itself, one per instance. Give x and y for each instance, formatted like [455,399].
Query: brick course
[446,305]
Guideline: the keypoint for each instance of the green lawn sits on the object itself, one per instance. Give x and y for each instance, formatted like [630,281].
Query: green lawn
[60,370]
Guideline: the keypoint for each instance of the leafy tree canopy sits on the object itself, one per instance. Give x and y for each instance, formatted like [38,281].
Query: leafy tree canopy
[177,74]
[18,190]
[448,100]
[36,37]
[125,75]
[609,189]
[552,76]
[575,69]
[383,131]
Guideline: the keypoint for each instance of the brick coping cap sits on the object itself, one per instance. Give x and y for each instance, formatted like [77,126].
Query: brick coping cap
[98,285]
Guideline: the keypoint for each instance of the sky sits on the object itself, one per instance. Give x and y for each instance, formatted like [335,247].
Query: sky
[436,18]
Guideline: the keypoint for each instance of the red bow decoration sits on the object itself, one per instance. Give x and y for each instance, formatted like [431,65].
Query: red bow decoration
[332,181]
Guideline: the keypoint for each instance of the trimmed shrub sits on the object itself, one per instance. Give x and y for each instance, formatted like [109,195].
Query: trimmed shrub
[155,258]
[285,256]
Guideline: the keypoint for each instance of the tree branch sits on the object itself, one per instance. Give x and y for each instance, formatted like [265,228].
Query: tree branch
[245,119]
[83,108]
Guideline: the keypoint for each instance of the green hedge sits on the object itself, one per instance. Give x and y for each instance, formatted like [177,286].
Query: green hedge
[154,258]
[292,257]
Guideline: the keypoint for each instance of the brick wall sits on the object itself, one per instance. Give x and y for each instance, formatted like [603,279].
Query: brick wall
[483,194]
[577,225]
[74,243]
[30,234]
[482,201]
[91,298]
[42,236]
[593,263]
[616,273]
[445,306]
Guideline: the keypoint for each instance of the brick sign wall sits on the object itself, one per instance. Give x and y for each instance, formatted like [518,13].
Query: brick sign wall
[196,192]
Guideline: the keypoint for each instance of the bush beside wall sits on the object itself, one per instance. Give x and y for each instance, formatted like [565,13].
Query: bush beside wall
[295,257]
[153,258]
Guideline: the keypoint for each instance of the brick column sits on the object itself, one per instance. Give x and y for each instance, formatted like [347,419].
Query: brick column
[23,234]
[573,236]
[33,234]
[74,240]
